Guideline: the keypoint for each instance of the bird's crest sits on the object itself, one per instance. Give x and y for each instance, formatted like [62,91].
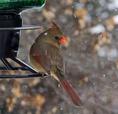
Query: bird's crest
[54,25]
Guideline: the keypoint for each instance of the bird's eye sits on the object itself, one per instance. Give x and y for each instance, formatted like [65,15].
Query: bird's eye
[56,37]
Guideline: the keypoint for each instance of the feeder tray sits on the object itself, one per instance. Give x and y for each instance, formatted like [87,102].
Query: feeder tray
[22,67]
[10,27]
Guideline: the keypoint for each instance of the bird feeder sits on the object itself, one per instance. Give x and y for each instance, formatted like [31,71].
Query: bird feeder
[10,27]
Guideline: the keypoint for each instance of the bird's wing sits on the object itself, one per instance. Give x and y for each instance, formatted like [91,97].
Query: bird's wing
[47,56]
[53,57]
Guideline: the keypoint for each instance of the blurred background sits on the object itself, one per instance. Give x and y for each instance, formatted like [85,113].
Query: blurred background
[91,60]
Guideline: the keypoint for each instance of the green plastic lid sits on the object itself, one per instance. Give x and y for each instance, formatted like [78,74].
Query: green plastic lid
[20,4]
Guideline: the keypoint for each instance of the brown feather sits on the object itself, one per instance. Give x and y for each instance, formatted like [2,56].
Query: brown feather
[71,92]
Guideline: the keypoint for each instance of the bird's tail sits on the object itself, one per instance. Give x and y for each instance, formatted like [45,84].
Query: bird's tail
[69,89]
[71,92]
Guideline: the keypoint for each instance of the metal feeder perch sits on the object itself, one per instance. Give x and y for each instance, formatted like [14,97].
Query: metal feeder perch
[10,27]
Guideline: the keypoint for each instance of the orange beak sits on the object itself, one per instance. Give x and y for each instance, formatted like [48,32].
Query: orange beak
[64,41]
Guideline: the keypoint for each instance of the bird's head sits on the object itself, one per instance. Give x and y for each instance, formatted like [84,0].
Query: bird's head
[56,37]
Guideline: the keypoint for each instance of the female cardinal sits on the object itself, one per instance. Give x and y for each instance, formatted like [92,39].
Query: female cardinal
[45,56]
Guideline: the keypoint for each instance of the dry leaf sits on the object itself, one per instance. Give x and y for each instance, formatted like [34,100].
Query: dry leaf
[33,82]
[11,101]
[103,39]
[110,24]
[81,13]
[16,90]
[34,101]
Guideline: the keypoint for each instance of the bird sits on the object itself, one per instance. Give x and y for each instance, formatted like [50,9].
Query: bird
[45,56]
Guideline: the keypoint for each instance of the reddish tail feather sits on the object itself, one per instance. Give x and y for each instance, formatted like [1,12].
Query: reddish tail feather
[71,92]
